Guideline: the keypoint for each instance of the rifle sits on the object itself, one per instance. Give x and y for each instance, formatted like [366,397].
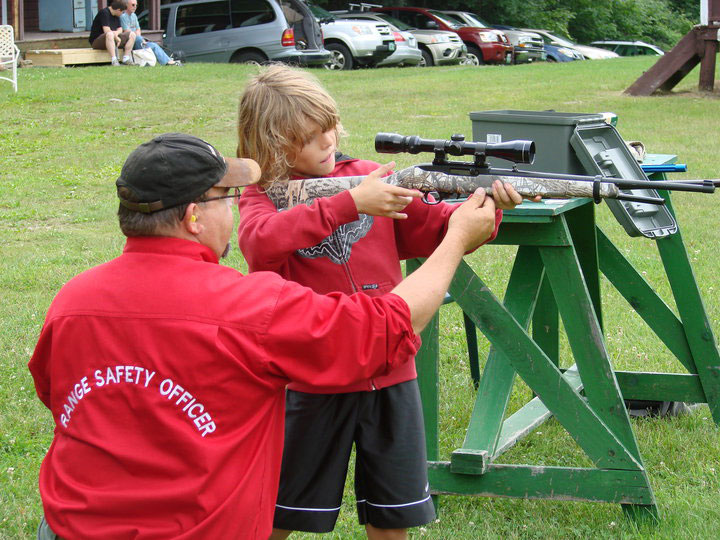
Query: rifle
[443,179]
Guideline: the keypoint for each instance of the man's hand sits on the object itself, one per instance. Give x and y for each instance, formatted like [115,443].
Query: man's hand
[474,222]
[376,198]
[505,196]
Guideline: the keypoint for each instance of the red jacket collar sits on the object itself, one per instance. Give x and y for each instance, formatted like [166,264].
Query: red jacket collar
[166,245]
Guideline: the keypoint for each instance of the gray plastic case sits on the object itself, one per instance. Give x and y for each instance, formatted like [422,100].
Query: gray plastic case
[602,151]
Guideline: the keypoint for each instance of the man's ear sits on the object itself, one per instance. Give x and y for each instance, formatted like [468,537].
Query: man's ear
[189,220]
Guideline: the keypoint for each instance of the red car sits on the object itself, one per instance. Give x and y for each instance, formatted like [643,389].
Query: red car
[486,45]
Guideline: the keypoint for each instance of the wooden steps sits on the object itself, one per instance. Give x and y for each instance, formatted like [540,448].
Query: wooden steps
[67,57]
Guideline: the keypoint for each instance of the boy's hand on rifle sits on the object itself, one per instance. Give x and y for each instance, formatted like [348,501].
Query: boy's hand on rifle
[376,198]
[505,196]
[474,222]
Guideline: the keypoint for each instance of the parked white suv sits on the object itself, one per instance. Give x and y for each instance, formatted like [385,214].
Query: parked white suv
[437,47]
[354,43]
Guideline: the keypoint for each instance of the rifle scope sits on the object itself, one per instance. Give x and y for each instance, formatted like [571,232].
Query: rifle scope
[516,151]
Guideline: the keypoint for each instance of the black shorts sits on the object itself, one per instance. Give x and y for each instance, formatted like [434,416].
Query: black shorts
[391,485]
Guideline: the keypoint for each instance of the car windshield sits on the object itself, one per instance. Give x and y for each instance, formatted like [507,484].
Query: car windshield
[395,22]
[474,21]
[452,22]
[560,41]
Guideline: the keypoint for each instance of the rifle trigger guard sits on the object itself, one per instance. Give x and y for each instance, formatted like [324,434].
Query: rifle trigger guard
[435,198]
[596,189]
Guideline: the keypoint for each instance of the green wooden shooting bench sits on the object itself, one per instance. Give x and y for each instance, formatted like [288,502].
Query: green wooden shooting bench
[560,248]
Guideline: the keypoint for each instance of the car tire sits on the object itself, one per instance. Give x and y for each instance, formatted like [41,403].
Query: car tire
[341,57]
[550,59]
[247,57]
[474,56]
[427,59]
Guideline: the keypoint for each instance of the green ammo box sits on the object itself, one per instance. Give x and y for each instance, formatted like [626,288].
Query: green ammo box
[578,143]
[550,130]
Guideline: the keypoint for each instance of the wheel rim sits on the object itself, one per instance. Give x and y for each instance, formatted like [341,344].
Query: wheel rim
[422,62]
[471,60]
[337,61]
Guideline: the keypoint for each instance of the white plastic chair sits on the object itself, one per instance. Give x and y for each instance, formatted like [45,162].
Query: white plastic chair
[9,53]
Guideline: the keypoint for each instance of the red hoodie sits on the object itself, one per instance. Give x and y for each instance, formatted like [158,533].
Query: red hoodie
[329,247]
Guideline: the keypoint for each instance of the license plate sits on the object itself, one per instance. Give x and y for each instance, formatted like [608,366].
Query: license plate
[391,46]
[508,58]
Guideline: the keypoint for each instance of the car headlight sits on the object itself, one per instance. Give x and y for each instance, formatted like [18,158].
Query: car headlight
[566,52]
[362,30]
[487,38]
[443,39]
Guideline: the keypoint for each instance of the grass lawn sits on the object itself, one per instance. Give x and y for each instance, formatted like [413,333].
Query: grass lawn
[66,133]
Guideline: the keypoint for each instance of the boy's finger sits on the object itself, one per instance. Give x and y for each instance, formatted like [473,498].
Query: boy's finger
[404,192]
[383,169]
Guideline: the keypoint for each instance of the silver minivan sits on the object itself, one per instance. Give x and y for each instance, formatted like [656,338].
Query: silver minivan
[242,31]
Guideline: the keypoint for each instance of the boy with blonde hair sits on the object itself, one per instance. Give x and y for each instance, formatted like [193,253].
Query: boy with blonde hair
[350,242]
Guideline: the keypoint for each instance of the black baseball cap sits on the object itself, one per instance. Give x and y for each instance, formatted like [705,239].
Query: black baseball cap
[175,168]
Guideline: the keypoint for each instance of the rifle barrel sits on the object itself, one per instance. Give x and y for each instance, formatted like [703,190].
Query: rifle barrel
[697,186]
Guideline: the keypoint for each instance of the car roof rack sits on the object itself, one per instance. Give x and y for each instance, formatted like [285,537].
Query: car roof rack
[362,6]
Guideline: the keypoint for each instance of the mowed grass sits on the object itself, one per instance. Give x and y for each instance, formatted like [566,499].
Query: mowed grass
[66,133]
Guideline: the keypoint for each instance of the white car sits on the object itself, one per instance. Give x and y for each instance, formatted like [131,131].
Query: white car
[354,43]
[630,48]
[595,53]
[437,47]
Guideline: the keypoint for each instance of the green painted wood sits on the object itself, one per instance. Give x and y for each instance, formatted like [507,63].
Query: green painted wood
[530,234]
[469,461]
[581,225]
[587,343]
[530,416]
[553,483]
[692,312]
[497,380]
[645,301]
[572,411]
[427,363]
[529,210]
[546,323]
[661,386]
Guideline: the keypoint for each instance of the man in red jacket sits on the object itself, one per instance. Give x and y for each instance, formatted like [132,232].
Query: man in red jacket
[165,372]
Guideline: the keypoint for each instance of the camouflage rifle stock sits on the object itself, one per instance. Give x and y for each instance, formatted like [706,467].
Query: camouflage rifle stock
[445,179]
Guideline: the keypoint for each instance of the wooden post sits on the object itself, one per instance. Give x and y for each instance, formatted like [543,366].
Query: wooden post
[154,9]
[707,65]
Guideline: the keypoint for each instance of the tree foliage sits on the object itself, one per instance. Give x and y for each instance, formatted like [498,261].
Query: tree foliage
[662,22]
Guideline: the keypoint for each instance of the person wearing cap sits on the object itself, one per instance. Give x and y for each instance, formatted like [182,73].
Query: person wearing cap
[165,372]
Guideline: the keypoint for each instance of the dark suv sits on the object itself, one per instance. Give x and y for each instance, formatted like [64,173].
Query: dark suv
[485,45]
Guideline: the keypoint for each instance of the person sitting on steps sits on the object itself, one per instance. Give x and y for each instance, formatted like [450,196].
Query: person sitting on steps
[107,34]
[130,23]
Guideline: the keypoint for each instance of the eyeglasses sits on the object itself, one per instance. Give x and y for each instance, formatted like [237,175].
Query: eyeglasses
[233,197]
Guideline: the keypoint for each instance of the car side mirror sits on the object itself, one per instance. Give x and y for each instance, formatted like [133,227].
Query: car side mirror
[431,25]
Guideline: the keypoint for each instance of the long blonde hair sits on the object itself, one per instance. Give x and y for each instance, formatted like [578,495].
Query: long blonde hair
[274,118]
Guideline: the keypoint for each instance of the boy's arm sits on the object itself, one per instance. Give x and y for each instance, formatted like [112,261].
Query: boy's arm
[268,237]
